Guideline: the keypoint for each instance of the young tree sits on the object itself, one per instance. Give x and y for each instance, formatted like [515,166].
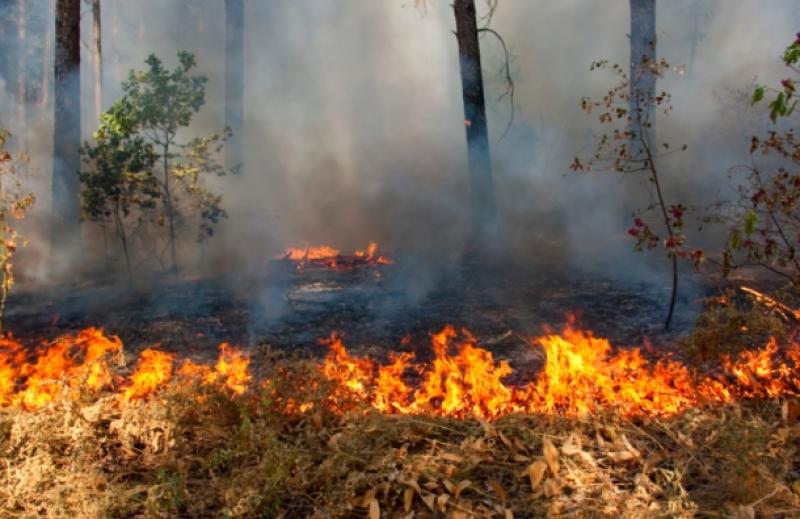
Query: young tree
[765,217]
[14,203]
[482,199]
[234,82]
[66,231]
[627,148]
[139,172]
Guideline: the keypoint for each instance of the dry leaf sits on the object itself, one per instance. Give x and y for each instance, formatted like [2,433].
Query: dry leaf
[498,490]
[462,485]
[458,514]
[450,456]
[551,456]
[374,509]
[441,502]
[551,487]
[630,447]
[368,497]
[429,500]
[408,499]
[619,457]
[790,411]
[509,514]
[536,473]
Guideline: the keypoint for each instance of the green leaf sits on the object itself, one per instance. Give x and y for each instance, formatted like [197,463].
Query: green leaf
[758,94]
[735,239]
[750,220]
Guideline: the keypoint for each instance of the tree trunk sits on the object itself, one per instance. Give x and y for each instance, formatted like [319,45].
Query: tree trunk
[97,58]
[642,79]
[234,82]
[22,63]
[9,39]
[37,23]
[480,168]
[66,230]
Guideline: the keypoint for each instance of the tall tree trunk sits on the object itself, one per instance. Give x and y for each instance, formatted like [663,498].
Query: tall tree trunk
[22,63]
[480,167]
[37,23]
[97,58]
[234,82]
[66,230]
[642,79]
[9,40]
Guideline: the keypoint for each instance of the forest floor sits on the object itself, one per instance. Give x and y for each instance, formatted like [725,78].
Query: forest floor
[200,450]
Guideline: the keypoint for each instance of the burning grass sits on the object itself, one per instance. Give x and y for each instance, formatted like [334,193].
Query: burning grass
[599,432]
[327,257]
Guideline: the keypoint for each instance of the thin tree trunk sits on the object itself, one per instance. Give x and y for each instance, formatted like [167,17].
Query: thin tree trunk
[170,209]
[97,58]
[642,79]
[480,168]
[22,63]
[234,82]
[44,101]
[66,230]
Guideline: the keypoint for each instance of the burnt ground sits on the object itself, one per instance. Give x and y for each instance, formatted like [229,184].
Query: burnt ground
[373,307]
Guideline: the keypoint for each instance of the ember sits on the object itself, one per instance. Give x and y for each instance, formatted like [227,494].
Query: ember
[328,257]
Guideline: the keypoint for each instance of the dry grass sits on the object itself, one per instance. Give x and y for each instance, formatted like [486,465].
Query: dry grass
[200,452]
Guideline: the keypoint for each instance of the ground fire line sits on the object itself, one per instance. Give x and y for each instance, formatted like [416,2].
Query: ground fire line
[581,374]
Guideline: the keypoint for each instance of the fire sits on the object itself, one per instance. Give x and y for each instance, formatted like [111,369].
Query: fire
[89,361]
[581,374]
[329,257]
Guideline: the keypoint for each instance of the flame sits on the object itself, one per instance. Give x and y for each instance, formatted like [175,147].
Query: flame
[86,361]
[332,258]
[581,374]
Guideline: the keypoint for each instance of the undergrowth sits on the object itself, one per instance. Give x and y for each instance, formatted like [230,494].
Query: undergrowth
[201,452]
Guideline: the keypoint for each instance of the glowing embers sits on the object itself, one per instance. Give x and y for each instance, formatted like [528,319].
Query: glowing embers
[581,374]
[328,257]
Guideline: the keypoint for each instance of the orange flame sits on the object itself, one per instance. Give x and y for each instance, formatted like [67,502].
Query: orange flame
[581,374]
[332,258]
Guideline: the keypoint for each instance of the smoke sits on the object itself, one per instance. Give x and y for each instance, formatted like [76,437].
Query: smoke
[354,119]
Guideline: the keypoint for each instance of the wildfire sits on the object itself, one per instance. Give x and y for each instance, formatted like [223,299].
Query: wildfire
[581,374]
[90,360]
[328,257]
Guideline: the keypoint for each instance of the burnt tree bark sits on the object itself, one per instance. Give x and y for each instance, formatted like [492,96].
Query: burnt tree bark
[642,78]
[65,230]
[97,58]
[482,201]
[234,82]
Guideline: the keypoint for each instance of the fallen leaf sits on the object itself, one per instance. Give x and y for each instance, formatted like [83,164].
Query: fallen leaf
[790,411]
[429,500]
[536,473]
[498,490]
[551,487]
[462,485]
[374,509]
[441,502]
[408,498]
[551,456]
[619,457]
